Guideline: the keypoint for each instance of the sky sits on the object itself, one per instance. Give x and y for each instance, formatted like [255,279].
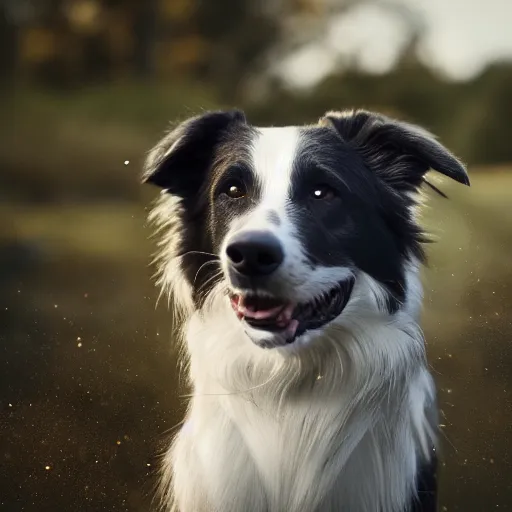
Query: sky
[460,38]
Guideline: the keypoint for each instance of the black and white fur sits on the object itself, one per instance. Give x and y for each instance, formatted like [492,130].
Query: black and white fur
[341,417]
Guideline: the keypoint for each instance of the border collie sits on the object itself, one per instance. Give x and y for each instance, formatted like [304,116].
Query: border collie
[292,256]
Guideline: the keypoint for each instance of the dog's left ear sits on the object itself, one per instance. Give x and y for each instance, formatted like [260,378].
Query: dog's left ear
[399,153]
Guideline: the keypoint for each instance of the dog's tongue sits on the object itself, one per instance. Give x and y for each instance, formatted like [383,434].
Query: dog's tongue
[262,309]
[266,312]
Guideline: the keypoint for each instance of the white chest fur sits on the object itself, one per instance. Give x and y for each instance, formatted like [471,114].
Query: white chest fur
[268,435]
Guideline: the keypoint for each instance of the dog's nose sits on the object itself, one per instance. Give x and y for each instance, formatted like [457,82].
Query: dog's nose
[255,253]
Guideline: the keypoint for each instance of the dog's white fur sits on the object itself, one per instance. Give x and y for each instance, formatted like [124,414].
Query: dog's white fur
[337,421]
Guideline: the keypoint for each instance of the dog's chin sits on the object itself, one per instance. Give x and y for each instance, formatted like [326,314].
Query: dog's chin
[272,322]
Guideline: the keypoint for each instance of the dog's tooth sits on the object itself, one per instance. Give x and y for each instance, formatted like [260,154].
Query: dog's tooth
[288,310]
[291,329]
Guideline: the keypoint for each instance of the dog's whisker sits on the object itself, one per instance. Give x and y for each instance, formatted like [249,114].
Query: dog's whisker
[214,276]
[202,267]
[203,290]
[204,253]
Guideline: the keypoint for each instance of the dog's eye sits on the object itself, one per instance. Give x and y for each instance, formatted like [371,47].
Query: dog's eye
[235,190]
[322,192]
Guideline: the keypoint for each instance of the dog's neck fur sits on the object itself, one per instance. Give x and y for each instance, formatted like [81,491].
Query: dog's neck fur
[269,432]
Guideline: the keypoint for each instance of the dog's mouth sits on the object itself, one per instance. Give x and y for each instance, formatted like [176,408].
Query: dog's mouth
[288,319]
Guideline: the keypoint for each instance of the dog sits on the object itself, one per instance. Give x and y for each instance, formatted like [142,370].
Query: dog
[292,257]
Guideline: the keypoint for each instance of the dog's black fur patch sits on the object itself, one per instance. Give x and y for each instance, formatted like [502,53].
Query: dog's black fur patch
[188,163]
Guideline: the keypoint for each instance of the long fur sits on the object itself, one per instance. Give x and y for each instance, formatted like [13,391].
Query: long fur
[339,421]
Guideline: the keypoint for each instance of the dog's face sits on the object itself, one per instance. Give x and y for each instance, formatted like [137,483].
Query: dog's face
[286,222]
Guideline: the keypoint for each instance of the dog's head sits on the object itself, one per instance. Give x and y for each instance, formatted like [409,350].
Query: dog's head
[290,225]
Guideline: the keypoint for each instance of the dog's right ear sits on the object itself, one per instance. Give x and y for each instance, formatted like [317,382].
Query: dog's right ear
[178,162]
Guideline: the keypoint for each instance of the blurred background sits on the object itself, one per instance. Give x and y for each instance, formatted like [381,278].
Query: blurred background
[89,389]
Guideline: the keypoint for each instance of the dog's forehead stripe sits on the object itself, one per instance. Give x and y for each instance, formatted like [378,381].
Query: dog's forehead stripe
[273,155]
